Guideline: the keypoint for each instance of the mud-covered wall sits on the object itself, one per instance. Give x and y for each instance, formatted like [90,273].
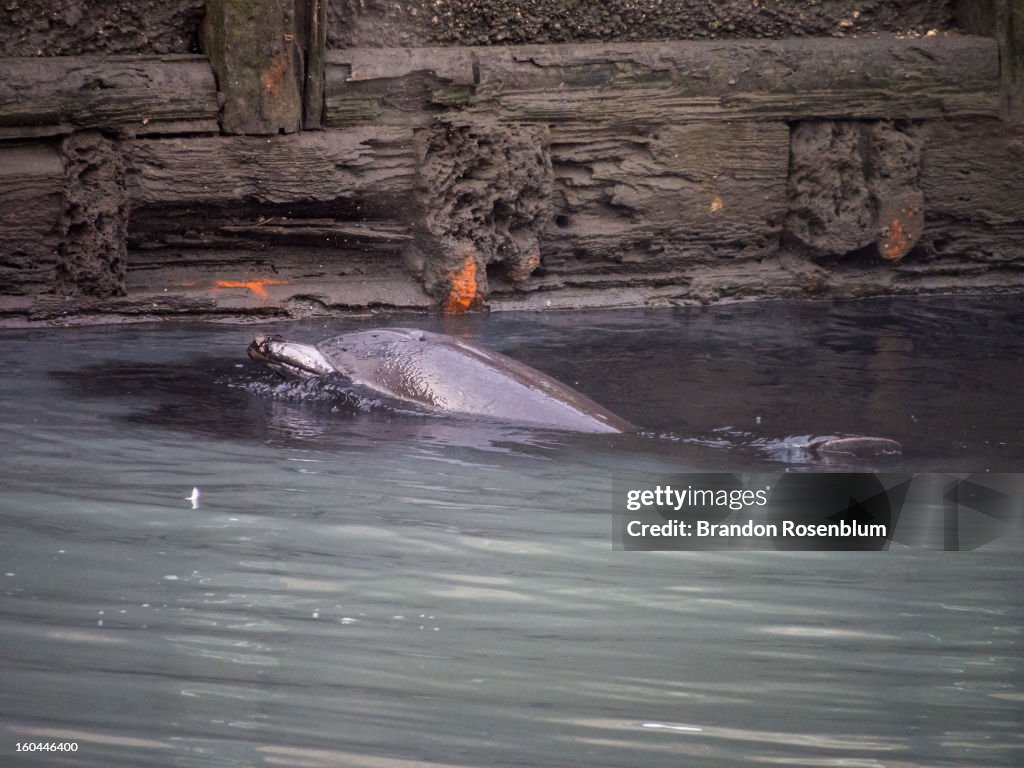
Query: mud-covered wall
[763,149]
[385,23]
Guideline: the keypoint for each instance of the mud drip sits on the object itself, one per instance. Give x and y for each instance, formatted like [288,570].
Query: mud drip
[482,198]
[854,186]
[93,251]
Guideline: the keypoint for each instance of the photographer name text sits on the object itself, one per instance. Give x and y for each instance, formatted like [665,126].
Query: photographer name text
[752,529]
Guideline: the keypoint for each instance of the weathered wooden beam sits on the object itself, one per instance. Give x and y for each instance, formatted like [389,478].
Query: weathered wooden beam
[972,169]
[1010,31]
[686,194]
[312,23]
[353,65]
[678,196]
[31,204]
[254,52]
[190,189]
[395,86]
[973,187]
[131,95]
[630,84]
[738,66]
[1004,21]
[976,17]
[320,167]
[882,78]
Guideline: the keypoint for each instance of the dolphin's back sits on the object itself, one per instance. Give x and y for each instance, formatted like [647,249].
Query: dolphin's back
[450,374]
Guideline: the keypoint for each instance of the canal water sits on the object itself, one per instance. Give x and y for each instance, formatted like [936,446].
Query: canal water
[363,587]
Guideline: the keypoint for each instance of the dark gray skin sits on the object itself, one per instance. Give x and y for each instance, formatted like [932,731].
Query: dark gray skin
[448,374]
[442,373]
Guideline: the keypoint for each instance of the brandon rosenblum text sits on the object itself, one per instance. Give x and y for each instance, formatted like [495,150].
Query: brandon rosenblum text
[750,529]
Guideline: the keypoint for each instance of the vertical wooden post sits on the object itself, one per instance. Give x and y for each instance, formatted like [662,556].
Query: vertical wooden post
[254,53]
[977,17]
[1010,32]
[312,15]
[1003,20]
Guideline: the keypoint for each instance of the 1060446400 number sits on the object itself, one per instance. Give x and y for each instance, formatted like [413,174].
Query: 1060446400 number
[47,746]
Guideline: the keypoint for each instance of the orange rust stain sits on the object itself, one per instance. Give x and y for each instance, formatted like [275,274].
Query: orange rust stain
[463,292]
[273,75]
[717,204]
[897,240]
[190,284]
[256,286]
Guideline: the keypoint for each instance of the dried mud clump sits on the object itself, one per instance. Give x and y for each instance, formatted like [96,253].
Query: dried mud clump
[92,254]
[854,186]
[482,198]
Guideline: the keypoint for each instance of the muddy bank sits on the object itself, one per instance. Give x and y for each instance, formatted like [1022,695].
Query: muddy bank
[381,23]
[76,27]
[52,28]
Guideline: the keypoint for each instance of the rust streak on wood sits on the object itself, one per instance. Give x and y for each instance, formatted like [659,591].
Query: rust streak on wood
[253,51]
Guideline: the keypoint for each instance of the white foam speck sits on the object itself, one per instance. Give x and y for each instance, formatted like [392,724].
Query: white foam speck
[670,727]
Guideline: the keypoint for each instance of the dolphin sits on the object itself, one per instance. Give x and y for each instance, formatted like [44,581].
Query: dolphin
[447,374]
[440,373]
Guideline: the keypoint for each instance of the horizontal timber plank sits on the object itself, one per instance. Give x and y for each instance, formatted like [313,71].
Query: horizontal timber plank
[305,167]
[972,170]
[974,190]
[646,83]
[354,65]
[31,205]
[670,196]
[132,95]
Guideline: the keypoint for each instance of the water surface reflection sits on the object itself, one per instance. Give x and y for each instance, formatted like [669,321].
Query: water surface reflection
[369,588]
